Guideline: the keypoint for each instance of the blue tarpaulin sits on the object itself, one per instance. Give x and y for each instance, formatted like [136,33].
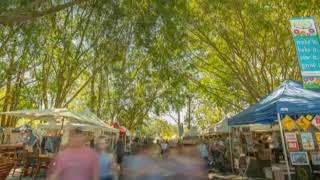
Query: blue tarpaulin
[288,99]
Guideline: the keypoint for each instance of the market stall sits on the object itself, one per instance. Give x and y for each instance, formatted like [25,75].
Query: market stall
[191,136]
[296,108]
[104,129]
[59,117]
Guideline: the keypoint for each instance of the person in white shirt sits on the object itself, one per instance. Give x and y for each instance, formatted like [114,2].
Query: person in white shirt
[203,149]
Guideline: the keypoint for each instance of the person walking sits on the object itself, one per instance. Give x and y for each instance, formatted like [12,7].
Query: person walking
[107,163]
[164,146]
[203,149]
[76,162]
[120,151]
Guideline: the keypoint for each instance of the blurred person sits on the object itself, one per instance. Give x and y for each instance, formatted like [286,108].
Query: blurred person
[203,149]
[120,151]
[76,162]
[164,146]
[276,146]
[31,139]
[106,159]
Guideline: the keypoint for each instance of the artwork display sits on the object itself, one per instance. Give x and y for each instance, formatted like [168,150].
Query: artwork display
[316,121]
[317,135]
[307,141]
[315,157]
[288,123]
[303,123]
[299,158]
[292,141]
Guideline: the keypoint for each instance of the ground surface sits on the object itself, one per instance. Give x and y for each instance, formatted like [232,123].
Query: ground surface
[180,163]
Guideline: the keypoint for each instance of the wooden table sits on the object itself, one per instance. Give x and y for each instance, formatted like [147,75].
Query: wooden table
[8,147]
[10,150]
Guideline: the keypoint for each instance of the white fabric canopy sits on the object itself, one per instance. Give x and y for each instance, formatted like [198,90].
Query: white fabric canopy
[93,118]
[50,115]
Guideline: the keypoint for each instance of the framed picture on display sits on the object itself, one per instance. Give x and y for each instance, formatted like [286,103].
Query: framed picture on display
[307,141]
[315,157]
[299,158]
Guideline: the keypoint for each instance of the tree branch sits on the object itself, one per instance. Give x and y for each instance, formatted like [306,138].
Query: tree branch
[15,19]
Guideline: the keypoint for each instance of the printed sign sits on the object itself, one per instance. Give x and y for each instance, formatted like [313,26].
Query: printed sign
[299,158]
[292,141]
[288,123]
[293,146]
[307,43]
[307,141]
[303,123]
[291,137]
[315,157]
[316,121]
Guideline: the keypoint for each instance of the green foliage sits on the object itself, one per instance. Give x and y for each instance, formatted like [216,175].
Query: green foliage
[160,129]
[132,61]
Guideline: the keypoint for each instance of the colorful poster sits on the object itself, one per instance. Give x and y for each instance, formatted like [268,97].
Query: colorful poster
[316,121]
[291,137]
[292,141]
[293,146]
[307,43]
[307,141]
[315,157]
[303,123]
[317,134]
[288,123]
[299,158]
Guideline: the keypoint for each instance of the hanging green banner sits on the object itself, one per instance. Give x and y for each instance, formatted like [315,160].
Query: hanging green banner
[307,43]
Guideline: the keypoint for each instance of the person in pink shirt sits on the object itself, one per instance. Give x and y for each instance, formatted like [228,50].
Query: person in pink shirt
[76,162]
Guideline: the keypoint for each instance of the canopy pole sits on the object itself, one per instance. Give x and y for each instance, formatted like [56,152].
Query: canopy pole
[284,147]
[230,146]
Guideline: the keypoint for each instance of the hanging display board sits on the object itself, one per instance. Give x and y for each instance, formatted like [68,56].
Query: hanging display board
[307,43]
[288,123]
[303,123]
[307,141]
[292,141]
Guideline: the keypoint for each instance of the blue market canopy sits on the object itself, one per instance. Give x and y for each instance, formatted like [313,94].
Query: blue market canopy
[288,99]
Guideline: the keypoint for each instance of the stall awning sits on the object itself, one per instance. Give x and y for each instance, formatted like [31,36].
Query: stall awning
[290,98]
[50,115]
[90,116]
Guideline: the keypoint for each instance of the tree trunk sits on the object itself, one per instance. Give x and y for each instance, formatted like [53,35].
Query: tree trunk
[8,98]
[189,112]
[179,124]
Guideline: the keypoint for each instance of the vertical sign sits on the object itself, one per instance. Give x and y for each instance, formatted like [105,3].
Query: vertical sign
[307,43]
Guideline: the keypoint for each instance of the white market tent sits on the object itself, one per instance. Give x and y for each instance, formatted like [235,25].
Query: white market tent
[56,126]
[93,118]
[50,115]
